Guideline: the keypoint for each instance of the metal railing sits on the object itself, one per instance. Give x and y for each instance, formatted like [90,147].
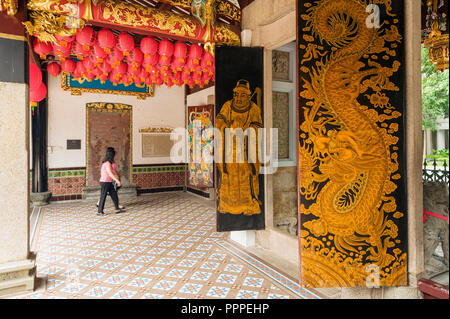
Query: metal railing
[432,172]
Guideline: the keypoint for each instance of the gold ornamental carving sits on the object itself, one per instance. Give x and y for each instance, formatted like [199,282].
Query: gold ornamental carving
[44,25]
[348,148]
[156,130]
[229,10]
[224,35]
[10,6]
[138,16]
[437,42]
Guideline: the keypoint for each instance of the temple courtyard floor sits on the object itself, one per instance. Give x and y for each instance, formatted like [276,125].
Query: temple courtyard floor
[164,246]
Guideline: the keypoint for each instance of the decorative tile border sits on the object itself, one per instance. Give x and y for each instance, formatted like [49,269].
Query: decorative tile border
[68,173]
[158,169]
[267,271]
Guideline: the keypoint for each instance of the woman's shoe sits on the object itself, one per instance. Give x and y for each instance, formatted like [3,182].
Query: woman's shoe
[118,211]
[121,207]
[101,214]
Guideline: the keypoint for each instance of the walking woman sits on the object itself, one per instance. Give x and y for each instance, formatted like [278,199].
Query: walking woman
[108,174]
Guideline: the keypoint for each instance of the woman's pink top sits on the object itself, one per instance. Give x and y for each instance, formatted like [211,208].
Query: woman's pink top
[104,176]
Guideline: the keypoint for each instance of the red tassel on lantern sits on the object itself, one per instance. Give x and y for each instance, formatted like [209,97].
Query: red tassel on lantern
[106,40]
[54,69]
[125,43]
[149,46]
[86,37]
[88,66]
[42,48]
[185,77]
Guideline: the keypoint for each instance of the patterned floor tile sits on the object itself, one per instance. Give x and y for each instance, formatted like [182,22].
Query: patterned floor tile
[166,246]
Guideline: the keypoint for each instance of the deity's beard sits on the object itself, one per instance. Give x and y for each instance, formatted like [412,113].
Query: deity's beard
[244,107]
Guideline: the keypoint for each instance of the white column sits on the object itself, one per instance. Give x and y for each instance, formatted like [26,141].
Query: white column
[17,266]
[245,238]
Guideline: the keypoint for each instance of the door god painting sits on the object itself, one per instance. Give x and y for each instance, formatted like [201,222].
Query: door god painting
[239,185]
[239,121]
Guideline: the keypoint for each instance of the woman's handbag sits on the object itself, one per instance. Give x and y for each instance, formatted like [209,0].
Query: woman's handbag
[116,188]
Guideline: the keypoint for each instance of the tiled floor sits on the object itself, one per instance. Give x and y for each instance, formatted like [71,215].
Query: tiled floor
[164,246]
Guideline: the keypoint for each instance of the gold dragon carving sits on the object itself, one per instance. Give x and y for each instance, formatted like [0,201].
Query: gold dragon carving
[348,152]
[44,25]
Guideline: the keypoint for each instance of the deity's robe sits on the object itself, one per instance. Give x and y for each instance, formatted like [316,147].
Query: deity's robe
[238,187]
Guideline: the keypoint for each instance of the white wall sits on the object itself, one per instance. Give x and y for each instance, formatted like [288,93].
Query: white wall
[67,120]
[201,97]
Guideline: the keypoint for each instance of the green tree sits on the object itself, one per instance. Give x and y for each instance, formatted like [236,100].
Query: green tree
[435,93]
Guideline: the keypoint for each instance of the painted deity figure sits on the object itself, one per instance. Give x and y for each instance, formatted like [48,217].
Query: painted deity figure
[238,184]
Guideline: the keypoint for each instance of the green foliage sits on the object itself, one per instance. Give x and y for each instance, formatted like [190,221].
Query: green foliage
[435,93]
[441,152]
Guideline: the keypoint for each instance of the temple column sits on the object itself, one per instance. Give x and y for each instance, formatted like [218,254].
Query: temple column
[39,174]
[17,265]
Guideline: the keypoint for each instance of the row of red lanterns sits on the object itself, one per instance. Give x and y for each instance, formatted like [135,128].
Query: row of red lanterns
[104,57]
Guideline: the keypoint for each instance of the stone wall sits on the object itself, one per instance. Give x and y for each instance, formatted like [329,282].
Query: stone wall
[285,199]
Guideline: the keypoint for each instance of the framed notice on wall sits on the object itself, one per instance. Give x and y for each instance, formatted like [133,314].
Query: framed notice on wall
[156,145]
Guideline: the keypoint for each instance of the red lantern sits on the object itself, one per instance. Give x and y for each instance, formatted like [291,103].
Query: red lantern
[177,78]
[150,62]
[98,53]
[197,77]
[88,65]
[115,57]
[149,46]
[54,69]
[195,53]
[106,40]
[125,43]
[39,94]
[185,77]
[158,81]
[35,76]
[165,49]
[121,68]
[64,41]
[86,37]
[79,51]
[42,48]
[106,68]
[205,78]
[68,65]
[177,65]
[103,77]
[114,78]
[208,58]
[180,51]
[191,83]
[135,58]
[190,66]
[62,52]
[164,62]
[80,69]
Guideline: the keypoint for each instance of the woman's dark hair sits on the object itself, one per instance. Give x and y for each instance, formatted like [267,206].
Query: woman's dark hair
[110,153]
